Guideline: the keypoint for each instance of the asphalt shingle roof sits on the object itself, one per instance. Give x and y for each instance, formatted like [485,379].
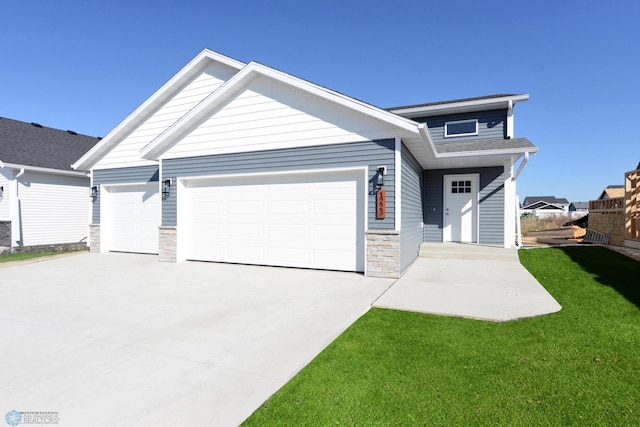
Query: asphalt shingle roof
[23,143]
[484,145]
[547,199]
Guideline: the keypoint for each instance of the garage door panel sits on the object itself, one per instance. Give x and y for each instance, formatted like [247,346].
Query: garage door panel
[290,231]
[132,218]
[300,220]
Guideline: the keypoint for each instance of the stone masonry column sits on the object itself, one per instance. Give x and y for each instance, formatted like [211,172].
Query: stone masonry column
[168,244]
[94,237]
[383,253]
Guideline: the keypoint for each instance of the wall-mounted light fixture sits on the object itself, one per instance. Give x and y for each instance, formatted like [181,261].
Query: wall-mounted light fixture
[166,188]
[382,171]
[1,190]
[94,193]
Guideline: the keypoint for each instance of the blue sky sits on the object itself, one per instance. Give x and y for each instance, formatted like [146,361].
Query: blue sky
[85,65]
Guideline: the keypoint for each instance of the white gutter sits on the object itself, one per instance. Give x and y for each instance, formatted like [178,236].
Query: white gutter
[459,106]
[19,173]
[22,169]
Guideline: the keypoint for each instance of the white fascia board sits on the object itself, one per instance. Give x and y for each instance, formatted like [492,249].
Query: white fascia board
[147,108]
[425,136]
[460,107]
[42,170]
[483,153]
[242,79]
[340,99]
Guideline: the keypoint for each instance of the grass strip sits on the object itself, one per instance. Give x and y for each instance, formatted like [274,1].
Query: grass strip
[25,256]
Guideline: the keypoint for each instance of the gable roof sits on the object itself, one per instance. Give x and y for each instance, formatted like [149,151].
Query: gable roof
[415,135]
[612,192]
[25,144]
[532,200]
[242,80]
[152,104]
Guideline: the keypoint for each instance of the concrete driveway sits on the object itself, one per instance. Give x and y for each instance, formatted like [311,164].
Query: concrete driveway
[106,339]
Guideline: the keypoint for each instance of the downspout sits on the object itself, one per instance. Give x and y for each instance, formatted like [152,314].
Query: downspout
[517,201]
[510,120]
[17,209]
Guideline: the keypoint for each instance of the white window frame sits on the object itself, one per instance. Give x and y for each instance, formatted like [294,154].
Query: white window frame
[446,127]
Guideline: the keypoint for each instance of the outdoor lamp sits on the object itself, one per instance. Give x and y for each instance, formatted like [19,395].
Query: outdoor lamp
[94,193]
[380,176]
[166,188]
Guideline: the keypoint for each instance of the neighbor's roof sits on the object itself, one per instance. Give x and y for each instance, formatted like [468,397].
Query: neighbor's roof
[31,144]
[547,199]
[612,192]
[580,205]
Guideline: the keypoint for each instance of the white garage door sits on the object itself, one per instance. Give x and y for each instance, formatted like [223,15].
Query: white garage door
[132,218]
[293,220]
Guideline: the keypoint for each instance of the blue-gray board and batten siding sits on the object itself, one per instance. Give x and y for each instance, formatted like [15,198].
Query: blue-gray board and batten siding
[357,154]
[411,234]
[490,206]
[138,174]
[491,125]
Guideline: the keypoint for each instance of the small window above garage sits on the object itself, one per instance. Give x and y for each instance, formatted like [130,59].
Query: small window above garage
[461,128]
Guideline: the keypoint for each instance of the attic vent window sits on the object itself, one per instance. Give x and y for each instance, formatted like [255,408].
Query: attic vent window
[38,125]
[461,128]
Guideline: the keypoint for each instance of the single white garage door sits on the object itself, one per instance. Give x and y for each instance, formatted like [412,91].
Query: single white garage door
[293,220]
[132,218]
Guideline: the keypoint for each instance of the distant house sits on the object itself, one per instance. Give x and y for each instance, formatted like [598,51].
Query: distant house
[612,192]
[43,201]
[545,206]
[579,208]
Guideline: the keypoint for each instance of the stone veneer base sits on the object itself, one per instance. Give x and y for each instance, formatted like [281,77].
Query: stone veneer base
[168,244]
[383,254]
[94,237]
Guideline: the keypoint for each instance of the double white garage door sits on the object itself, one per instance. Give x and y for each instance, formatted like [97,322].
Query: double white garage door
[294,220]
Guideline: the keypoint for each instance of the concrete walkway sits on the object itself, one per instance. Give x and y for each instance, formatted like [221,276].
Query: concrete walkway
[477,282]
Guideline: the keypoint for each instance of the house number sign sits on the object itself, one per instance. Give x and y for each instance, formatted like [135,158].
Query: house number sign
[381,204]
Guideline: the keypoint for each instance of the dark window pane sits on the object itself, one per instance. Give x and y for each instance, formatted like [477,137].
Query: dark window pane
[461,128]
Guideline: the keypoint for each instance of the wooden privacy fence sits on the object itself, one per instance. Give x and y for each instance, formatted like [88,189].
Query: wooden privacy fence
[632,206]
[606,218]
[619,218]
[608,206]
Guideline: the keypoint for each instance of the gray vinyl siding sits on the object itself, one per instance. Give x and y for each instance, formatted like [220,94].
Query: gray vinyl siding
[490,207]
[130,175]
[369,153]
[491,125]
[411,234]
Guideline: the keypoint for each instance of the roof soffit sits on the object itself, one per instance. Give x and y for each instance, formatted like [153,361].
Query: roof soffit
[196,66]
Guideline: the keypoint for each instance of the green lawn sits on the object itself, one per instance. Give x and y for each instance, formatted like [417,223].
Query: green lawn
[23,256]
[580,366]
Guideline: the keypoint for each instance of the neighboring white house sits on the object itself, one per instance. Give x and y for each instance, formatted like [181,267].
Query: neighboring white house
[545,206]
[43,201]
